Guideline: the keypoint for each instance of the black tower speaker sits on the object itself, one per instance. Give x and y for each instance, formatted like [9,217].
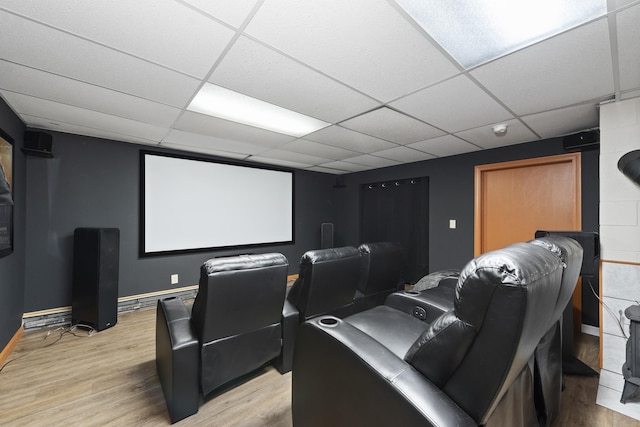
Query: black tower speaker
[326,235]
[96,255]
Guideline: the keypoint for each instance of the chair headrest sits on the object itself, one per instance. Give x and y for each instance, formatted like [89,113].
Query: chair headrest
[243,262]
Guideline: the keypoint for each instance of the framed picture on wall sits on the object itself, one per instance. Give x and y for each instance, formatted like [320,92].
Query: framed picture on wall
[6,194]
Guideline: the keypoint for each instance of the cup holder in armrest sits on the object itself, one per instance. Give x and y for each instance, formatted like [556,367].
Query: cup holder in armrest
[329,322]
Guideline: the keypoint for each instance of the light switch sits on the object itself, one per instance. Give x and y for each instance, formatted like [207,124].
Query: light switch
[452,224]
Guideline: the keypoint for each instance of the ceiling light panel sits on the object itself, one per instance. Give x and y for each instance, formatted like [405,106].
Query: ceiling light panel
[480,31]
[226,104]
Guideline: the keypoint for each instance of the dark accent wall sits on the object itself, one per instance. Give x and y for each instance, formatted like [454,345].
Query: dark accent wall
[95,183]
[451,196]
[12,266]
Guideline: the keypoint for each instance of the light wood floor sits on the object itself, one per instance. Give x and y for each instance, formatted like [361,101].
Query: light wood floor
[109,379]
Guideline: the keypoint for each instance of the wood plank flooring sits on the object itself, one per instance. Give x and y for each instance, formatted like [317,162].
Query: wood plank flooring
[109,379]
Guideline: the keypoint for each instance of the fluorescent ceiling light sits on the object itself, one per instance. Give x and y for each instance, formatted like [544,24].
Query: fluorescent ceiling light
[475,32]
[229,105]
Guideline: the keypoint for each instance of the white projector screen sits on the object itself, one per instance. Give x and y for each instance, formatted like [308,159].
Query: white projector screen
[190,204]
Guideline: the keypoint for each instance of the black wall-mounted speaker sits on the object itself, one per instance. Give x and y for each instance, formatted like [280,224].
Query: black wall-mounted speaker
[96,256]
[37,144]
[629,165]
[326,235]
[582,141]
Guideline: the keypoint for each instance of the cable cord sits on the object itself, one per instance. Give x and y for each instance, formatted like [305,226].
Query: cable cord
[63,330]
[611,312]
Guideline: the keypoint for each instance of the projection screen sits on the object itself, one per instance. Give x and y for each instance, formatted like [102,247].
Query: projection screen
[191,204]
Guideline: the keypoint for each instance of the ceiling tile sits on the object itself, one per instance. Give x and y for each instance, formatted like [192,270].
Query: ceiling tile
[564,121]
[326,170]
[338,136]
[28,81]
[454,105]
[484,137]
[346,166]
[46,124]
[366,44]
[260,72]
[233,12]
[204,150]
[447,145]
[28,43]
[320,150]
[628,42]
[212,126]
[189,41]
[56,112]
[188,139]
[403,154]
[564,70]
[293,157]
[278,162]
[385,123]
[372,161]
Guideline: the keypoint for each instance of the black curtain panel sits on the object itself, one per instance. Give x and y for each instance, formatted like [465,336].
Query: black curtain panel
[399,211]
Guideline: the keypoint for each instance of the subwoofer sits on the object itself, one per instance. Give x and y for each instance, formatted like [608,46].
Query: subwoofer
[96,256]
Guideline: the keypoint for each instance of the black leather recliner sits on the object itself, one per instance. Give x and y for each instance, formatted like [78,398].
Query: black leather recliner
[326,282]
[381,273]
[473,365]
[234,328]
[548,354]
[431,303]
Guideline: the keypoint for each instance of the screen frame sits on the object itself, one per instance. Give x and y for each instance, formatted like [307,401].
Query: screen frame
[143,253]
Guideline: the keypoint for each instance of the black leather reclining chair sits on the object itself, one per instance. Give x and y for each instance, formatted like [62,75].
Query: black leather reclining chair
[473,365]
[234,328]
[381,273]
[326,282]
[431,303]
[548,355]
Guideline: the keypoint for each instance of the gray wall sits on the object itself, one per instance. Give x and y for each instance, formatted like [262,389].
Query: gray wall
[95,183]
[12,266]
[451,196]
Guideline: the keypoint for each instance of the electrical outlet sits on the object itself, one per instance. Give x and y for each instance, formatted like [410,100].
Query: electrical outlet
[174,279]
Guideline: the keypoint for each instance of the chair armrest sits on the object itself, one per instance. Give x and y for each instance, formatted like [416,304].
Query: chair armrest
[426,305]
[177,358]
[342,376]
[290,322]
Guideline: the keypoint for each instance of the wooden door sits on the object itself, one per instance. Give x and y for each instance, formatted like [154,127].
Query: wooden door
[514,199]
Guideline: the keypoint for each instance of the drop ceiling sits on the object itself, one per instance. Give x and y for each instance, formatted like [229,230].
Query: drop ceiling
[128,70]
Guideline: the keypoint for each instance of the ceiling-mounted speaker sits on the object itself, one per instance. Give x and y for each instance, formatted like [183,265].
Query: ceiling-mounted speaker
[37,144]
[582,140]
[629,165]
